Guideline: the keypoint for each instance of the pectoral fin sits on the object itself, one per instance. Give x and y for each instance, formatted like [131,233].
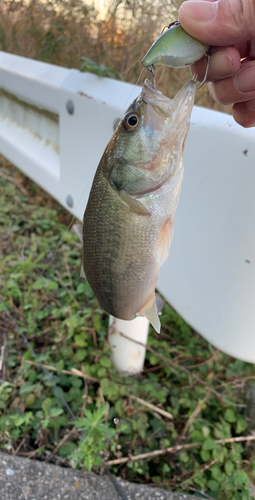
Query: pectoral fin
[82,273]
[134,204]
[164,242]
[150,312]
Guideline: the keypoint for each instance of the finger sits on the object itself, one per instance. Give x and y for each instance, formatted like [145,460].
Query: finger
[244,113]
[244,48]
[223,63]
[238,88]
[219,22]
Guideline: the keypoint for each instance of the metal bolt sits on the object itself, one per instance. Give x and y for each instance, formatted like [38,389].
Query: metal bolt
[70,106]
[69,200]
[116,123]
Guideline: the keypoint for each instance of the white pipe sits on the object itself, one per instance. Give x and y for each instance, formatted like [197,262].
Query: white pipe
[127,355]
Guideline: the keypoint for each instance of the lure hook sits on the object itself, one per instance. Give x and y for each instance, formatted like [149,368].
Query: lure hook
[152,70]
[174,23]
[208,55]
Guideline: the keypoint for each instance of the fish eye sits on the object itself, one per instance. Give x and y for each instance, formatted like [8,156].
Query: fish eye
[131,120]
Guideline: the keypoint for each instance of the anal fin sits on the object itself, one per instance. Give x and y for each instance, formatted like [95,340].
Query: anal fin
[82,273]
[150,312]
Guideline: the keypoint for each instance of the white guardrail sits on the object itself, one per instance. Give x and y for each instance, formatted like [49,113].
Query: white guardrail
[54,126]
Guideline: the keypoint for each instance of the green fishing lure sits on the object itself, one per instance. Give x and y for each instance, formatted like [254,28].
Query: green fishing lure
[175,48]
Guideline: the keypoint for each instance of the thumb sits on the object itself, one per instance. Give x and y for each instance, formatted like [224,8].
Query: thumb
[219,22]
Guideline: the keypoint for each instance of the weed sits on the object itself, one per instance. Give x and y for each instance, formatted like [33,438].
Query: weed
[96,432]
[98,69]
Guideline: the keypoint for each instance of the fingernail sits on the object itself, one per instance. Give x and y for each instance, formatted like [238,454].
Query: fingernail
[211,88]
[199,11]
[245,79]
[251,104]
[221,63]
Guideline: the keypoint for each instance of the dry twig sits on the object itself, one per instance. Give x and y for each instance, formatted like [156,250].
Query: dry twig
[13,181]
[174,449]
[205,467]
[60,444]
[19,447]
[194,415]
[152,407]
[32,453]
[73,371]
[2,357]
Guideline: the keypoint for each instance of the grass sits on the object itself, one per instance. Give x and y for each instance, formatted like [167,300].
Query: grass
[200,390]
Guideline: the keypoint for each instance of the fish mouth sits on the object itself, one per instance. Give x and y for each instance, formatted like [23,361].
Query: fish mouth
[162,104]
[162,111]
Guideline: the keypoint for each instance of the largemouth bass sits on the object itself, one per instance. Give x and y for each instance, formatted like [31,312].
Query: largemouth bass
[128,221]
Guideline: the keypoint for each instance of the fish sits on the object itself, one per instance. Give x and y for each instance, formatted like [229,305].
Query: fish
[175,48]
[128,220]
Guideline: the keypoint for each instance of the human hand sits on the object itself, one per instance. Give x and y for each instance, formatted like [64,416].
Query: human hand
[229,27]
